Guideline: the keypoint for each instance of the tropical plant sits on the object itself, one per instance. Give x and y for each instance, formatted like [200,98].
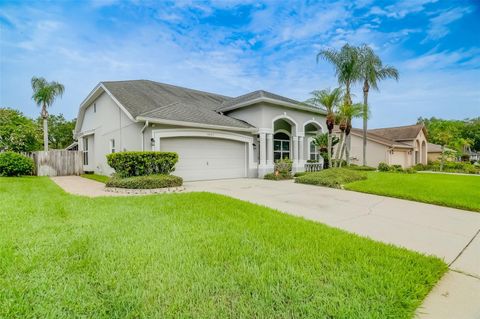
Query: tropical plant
[347,112]
[372,71]
[330,100]
[44,94]
[347,67]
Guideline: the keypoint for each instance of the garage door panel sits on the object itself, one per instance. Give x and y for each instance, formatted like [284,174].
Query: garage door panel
[207,158]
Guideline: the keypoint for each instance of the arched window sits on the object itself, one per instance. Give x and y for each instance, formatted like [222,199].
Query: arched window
[281,146]
[314,154]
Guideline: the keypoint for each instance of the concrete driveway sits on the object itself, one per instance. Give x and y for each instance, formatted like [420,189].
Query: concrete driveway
[448,233]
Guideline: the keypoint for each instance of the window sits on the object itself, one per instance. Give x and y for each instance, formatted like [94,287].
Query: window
[85,151]
[281,146]
[94,107]
[314,154]
[112,145]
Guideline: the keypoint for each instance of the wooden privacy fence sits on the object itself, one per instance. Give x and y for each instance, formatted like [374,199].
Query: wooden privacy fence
[57,162]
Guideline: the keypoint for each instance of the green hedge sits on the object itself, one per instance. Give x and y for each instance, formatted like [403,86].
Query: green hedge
[145,182]
[332,177]
[128,164]
[14,164]
[450,167]
[277,177]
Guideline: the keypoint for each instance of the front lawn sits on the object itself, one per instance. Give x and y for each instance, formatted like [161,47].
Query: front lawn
[190,255]
[457,191]
[99,178]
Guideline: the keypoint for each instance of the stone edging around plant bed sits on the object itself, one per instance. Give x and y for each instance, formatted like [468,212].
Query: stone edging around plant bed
[145,191]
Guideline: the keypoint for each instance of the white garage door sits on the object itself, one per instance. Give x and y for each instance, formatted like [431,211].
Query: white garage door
[207,158]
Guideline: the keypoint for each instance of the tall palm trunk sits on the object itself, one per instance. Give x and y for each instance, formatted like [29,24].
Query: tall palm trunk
[339,148]
[366,88]
[329,150]
[347,149]
[44,115]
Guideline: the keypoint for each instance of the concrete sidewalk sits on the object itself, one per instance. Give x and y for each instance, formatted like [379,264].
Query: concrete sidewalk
[448,233]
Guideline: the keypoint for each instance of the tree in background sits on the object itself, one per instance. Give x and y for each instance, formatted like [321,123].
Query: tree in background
[18,133]
[372,71]
[463,135]
[347,112]
[60,131]
[44,94]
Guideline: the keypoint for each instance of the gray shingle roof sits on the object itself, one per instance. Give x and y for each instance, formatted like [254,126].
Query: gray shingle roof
[400,133]
[189,112]
[252,96]
[140,96]
[168,102]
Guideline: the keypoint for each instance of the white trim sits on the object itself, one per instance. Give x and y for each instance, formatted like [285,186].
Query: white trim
[313,121]
[281,130]
[282,117]
[265,130]
[86,133]
[309,141]
[200,133]
[118,103]
[272,101]
[196,125]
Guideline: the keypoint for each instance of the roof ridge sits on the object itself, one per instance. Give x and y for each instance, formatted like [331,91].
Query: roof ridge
[401,126]
[170,85]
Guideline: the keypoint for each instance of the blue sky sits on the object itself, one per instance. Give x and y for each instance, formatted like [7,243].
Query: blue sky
[233,47]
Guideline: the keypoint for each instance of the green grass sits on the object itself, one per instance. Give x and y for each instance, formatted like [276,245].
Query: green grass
[456,191]
[99,178]
[195,255]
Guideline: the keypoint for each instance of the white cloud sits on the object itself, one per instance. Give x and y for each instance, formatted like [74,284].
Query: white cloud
[401,9]
[439,24]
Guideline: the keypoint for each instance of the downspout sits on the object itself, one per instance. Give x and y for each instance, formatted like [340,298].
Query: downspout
[143,135]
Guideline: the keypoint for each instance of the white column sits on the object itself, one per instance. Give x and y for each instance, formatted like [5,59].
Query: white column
[295,151]
[263,150]
[301,152]
[269,149]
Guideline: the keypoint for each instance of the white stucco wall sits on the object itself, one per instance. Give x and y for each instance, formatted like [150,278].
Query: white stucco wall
[108,122]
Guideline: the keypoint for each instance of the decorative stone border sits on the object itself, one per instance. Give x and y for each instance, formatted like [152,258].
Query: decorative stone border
[144,191]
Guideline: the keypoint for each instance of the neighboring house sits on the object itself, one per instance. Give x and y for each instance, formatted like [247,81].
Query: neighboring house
[404,145]
[473,156]
[435,153]
[215,136]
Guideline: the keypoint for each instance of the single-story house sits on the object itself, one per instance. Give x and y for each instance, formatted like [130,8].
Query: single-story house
[215,136]
[403,145]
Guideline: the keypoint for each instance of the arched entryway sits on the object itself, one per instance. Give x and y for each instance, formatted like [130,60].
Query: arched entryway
[424,152]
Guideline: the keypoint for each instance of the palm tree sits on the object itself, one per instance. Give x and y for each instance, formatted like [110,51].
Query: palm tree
[44,94]
[347,68]
[372,71]
[347,112]
[330,99]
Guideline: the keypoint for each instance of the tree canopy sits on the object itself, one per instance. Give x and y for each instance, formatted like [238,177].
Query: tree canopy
[18,133]
[459,135]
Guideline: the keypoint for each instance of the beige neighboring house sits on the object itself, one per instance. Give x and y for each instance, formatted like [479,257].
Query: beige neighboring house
[403,145]
[435,153]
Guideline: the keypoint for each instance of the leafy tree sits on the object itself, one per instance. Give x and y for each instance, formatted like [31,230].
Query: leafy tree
[60,131]
[372,71]
[18,133]
[347,112]
[44,94]
[330,99]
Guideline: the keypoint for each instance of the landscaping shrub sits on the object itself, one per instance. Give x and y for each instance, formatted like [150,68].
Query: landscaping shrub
[383,167]
[332,177]
[15,164]
[128,164]
[449,167]
[361,168]
[277,177]
[145,182]
[298,174]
